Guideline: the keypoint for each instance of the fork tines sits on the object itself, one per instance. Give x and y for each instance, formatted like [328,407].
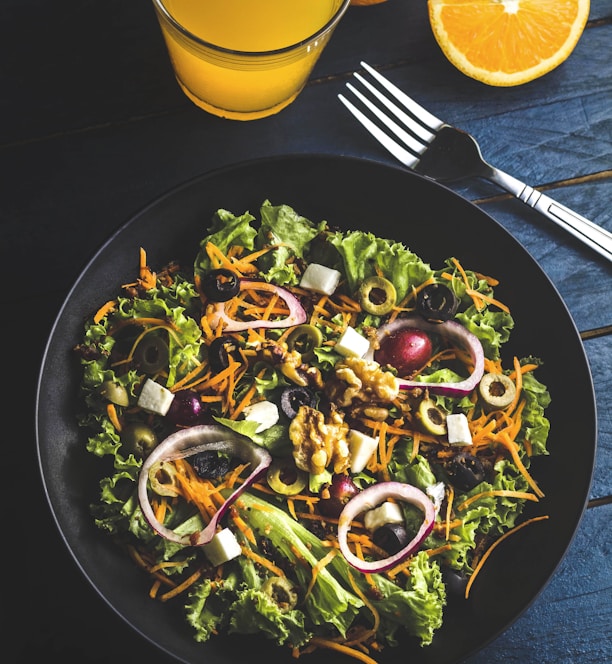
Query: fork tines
[418,126]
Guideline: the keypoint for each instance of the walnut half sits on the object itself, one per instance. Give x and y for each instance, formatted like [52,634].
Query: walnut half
[319,441]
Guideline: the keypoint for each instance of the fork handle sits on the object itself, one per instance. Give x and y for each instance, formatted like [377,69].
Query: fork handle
[591,234]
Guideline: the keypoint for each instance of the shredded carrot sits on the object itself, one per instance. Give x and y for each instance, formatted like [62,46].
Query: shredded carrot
[506,493]
[111,411]
[438,550]
[449,510]
[376,616]
[518,382]
[154,589]
[346,650]
[511,446]
[243,527]
[321,564]
[246,400]
[261,560]
[189,581]
[490,550]
[165,564]
[104,310]
[161,509]
[487,298]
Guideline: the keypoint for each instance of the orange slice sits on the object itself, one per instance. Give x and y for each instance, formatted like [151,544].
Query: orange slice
[507,42]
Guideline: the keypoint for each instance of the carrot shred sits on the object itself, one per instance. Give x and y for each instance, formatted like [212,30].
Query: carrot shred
[506,493]
[490,550]
[264,562]
[111,411]
[189,581]
[320,642]
[511,446]
[376,616]
[104,310]
[320,564]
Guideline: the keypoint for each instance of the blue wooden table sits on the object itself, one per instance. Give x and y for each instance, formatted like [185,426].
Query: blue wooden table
[94,128]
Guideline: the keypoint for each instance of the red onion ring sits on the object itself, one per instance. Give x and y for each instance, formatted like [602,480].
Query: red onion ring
[369,498]
[216,314]
[187,442]
[451,330]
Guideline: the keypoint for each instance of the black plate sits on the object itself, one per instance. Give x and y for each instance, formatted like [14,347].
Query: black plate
[352,194]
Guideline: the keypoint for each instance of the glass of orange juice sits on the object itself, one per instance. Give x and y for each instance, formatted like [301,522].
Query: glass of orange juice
[246,59]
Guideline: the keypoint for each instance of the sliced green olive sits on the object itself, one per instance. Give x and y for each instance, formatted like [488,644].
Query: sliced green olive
[151,354]
[138,439]
[304,339]
[162,477]
[437,303]
[377,295]
[431,417]
[285,478]
[497,390]
[281,591]
[114,393]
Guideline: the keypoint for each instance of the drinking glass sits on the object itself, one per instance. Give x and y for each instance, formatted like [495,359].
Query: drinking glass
[246,59]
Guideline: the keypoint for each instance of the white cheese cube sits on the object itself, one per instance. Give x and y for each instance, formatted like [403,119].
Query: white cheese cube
[458,429]
[436,493]
[352,344]
[222,547]
[155,398]
[263,412]
[361,448]
[386,513]
[320,278]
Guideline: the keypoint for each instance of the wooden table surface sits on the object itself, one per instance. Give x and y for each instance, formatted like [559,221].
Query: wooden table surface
[94,128]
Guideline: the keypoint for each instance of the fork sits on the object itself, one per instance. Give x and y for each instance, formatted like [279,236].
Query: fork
[442,152]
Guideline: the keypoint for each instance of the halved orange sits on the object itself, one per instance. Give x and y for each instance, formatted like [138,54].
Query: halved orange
[507,42]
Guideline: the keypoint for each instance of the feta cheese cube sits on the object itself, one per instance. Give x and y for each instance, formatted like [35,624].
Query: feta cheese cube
[361,448]
[264,412]
[155,398]
[222,547]
[352,344]
[320,278]
[458,429]
[387,512]
[436,493]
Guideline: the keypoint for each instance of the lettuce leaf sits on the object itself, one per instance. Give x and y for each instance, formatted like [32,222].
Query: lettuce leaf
[364,255]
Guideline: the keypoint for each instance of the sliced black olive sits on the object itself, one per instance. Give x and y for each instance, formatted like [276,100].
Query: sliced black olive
[286,478]
[465,471]
[220,351]
[210,465]
[392,537]
[151,354]
[455,580]
[294,397]
[138,439]
[497,390]
[304,339]
[377,295]
[220,285]
[437,303]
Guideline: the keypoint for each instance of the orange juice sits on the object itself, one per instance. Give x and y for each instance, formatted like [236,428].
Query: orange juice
[245,59]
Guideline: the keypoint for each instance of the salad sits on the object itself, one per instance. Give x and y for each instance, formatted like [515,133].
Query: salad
[310,434]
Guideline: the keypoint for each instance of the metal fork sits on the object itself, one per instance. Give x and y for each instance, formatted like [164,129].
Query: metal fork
[437,150]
